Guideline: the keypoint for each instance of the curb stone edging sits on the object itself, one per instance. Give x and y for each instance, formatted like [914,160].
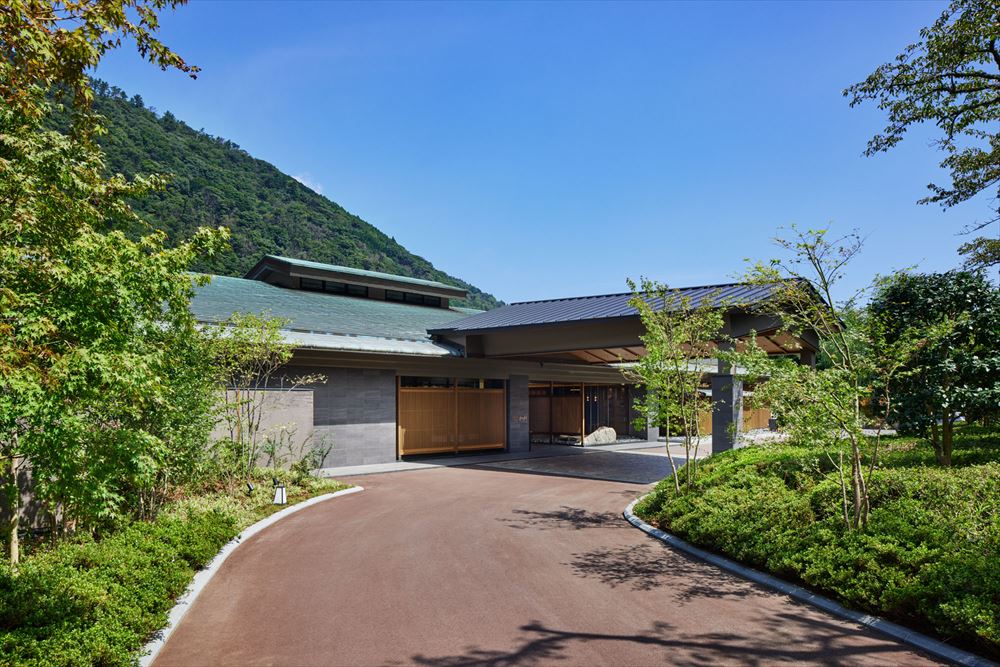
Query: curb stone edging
[204,575]
[913,638]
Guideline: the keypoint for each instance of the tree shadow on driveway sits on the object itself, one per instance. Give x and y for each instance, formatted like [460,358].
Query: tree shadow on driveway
[647,566]
[779,637]
[565,517]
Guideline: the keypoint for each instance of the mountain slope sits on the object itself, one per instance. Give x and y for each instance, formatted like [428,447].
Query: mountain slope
[215,183]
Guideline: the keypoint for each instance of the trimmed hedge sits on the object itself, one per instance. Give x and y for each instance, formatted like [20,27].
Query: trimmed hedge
[930,557]
[95,603]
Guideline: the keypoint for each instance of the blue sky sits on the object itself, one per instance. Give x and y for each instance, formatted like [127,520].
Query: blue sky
[543,150]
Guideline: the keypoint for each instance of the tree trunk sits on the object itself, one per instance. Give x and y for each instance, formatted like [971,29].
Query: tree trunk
[13,497]
[856,486]
[673,466]
[936,443]
[947,440]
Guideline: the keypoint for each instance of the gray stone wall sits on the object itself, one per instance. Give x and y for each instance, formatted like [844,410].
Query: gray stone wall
[518,435]
[285,416]
[355,411]
[727,407]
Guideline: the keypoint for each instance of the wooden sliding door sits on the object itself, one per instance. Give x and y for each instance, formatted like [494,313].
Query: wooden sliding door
[438,415]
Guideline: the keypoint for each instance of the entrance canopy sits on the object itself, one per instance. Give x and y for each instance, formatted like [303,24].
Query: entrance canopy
[605,330]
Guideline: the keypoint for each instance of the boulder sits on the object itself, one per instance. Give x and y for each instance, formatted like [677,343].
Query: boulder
[605,435]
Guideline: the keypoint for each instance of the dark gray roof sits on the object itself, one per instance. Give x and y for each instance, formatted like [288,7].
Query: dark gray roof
[600,307]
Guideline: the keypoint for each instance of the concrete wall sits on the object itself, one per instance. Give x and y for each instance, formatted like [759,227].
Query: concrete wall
[286,416]
[355,412]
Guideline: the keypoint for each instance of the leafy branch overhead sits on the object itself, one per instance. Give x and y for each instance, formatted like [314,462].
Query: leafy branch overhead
[50,45]
[950,77]
[102,389]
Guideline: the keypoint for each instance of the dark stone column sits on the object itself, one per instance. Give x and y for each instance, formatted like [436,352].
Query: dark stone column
[518,433]
[726,408]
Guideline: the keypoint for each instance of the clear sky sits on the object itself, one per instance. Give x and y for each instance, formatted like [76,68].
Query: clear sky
[543,150]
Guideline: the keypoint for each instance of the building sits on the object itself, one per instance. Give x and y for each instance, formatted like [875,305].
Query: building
[408,374]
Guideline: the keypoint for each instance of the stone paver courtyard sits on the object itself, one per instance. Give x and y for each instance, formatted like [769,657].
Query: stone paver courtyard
[645,466]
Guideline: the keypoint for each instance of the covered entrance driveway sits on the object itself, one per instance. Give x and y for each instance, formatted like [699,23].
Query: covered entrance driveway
[560,411]
[499,567]
[603,333]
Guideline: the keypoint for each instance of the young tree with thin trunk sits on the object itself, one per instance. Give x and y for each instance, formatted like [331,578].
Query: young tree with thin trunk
[249,350]
[680,337]
[825,404]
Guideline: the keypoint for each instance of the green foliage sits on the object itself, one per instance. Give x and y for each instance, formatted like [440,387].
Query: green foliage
[823,404]
[46,45]
[949,77]
[956,373]
[215,183]
[677,336]
[86,602]
[927,557]
[91,320]
[96,602]
[93,325]
[247,350]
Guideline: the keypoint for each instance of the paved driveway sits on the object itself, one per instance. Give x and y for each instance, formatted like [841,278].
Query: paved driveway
[505,565]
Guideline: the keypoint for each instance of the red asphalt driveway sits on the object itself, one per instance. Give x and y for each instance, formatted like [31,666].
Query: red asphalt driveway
[479,566]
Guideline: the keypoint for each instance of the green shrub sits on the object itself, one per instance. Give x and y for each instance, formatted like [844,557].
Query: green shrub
[87,602]
[95,603]
[930,557]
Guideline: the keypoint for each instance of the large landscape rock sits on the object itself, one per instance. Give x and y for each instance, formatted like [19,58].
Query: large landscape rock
[605,435]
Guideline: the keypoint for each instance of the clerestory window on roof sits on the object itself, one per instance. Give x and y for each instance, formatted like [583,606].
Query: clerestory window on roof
[333,287]
[410,297]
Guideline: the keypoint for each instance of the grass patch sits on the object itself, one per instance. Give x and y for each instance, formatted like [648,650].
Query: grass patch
[86,602]
[930,557]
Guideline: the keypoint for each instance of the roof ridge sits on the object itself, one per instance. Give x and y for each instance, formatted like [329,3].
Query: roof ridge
[370,272]
[598,296]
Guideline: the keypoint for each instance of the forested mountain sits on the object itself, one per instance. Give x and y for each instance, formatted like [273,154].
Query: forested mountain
[215,182]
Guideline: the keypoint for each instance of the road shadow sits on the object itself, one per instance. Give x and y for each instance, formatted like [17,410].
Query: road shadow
[564,517]
[777,637]
[648,566]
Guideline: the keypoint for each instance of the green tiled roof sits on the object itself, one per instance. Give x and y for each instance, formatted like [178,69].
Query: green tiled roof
[320,312]
[306,264]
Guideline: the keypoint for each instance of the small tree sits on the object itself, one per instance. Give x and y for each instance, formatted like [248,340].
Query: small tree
[679,336]
[824,404]
[956,370]
[249,350]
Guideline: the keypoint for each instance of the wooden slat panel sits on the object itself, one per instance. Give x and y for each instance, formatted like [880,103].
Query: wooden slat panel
[754,419]
[426,421]
[705,422]
[481,414]
[538,414]
[566,414]
[435,420]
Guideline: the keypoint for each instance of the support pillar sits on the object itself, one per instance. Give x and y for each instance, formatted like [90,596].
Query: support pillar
[518,431]
[727,399]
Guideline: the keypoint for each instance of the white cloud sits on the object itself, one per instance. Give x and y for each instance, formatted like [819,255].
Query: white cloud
[306,179]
